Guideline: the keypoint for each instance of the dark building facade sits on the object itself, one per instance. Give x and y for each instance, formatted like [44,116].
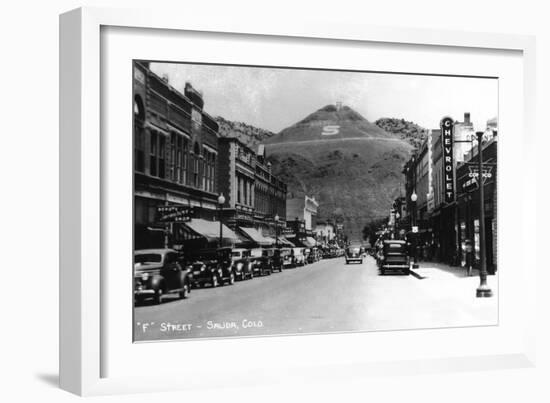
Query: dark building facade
[175,157]
[468,206]
[446,226]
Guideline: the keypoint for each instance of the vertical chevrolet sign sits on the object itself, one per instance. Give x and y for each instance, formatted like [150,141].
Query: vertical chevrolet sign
[447,131]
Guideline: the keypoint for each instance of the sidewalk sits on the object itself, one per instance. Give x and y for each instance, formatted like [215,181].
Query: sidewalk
[458,276]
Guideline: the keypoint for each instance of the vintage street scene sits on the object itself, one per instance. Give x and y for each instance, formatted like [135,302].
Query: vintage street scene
[276,201]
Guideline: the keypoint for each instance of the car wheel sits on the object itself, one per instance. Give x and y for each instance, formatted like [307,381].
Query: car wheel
[231,278]
[158,296]
[184,293]
[214,281]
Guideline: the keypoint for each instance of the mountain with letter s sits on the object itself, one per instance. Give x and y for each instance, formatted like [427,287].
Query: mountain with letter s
[351,166]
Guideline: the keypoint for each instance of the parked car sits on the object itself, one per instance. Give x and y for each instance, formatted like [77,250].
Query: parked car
[298,258]
[276,258]
[262,262]
[313,255]
[354,254]
[394,255]
[286,257]
[212,266]
[157,272]
[241,263]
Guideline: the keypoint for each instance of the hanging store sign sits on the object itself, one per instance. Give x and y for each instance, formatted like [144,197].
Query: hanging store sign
[168,214]
[447,132]
[487,173]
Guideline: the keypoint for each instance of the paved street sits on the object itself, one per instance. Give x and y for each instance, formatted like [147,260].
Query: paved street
[323,297]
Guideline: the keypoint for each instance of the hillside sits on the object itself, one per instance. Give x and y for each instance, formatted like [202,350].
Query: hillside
[248,134]
[351,166]
[329,122]
[408,131]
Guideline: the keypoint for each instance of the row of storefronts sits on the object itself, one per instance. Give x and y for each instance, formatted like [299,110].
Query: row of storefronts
[442,197]
[194,188]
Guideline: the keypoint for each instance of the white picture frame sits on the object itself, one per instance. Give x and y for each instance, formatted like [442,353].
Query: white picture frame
[83,340]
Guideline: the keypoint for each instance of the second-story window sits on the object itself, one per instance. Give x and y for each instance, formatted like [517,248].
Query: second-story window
[212,172]
[203,168]
[174,157]
[153,154]
[162,156]
[196,164]
[185,161]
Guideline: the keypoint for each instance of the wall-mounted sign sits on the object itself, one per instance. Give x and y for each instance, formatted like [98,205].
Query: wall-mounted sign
[167,214]
[447,132]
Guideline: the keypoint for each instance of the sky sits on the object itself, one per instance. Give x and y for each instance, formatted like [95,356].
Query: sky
[273,98]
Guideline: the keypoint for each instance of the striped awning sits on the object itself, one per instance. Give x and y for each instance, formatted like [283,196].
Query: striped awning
[211,230]
[254,235]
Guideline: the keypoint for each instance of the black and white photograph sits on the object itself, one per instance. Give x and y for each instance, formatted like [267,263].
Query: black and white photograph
[272,201]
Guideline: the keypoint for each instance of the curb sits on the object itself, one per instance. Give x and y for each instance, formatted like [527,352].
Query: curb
[417,275]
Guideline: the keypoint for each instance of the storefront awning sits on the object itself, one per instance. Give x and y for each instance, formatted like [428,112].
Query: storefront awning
[271,240]
[310,242]
[211,230]
[284,241]
[254,235]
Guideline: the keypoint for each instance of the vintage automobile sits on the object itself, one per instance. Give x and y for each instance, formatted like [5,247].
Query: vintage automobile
[157,272]
[276,258]
[394,256]
[241,263]
[286,257]
[313,255]
[262,262]
[212,266]
[298,258]
[354,253]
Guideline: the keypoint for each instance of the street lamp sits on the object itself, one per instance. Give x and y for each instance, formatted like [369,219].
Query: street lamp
[414,198]
[276,230]
[483,290]
[221,202]
[395,225]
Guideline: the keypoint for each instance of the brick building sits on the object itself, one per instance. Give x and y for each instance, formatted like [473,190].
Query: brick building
[175,157]
[254,196]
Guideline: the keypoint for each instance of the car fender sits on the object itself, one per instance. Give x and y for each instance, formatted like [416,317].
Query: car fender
[156,282]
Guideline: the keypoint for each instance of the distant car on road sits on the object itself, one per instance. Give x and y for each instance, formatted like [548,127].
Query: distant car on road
[394,255]
[157,272]
[354,254]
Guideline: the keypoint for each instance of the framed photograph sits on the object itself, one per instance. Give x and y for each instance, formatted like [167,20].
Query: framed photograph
[245,203]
